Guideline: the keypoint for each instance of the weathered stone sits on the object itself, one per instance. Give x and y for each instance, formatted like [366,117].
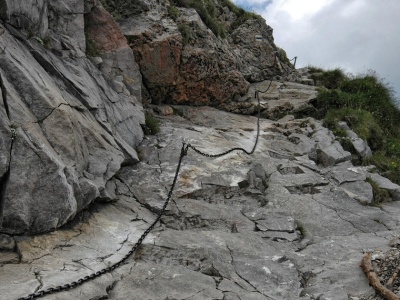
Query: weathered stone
[276,223]
[361,147]
[117,58]
[346,172]
[66,26]
[152,281]
[57,139]
[30,15]
[332,155]
[386,184]
[8,258]
[7,243]
[284,246]
[359,190]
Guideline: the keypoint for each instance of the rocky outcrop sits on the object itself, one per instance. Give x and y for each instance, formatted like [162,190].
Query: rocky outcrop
[65,129]
[272,225]
[183,62]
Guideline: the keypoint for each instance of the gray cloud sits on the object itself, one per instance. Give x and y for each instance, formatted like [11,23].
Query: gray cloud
[356,35]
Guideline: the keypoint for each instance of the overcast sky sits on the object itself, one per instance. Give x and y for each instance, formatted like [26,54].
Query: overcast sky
[356,35]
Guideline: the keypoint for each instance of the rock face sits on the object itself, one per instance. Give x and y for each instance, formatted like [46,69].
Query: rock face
[290,221]
[274,225]
[183,62]
[65,129]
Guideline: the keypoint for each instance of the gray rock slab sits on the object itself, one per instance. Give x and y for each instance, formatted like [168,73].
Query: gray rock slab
[332,154]
[153,281]
[386,184]
[359,190]
[346,172]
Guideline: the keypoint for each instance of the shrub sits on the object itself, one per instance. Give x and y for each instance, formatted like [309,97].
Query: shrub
[380,195]
[91,48]
[173,12]
[186,32]
[152,124]
[209,13]
[330,79]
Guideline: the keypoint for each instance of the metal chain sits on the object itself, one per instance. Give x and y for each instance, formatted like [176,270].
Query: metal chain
[184,151]
[94,275]
[238,148]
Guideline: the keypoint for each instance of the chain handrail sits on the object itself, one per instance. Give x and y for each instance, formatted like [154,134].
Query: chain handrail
[184,151]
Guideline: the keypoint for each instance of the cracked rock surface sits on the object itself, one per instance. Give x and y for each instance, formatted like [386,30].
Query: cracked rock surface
[274,225]
[64,132]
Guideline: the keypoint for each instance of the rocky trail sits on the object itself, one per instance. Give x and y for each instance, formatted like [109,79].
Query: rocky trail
[291,221]
[80,183]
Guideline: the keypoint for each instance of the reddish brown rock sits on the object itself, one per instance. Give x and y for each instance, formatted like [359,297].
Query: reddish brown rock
[108,42]
[103,31]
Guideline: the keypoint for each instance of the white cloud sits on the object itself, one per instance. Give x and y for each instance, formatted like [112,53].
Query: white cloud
[356,35]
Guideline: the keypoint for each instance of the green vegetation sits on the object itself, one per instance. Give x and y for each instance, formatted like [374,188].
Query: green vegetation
[209,12]
[152,124]
[91,48]
[367,105]
[173,12]
[380,195]
[186,32]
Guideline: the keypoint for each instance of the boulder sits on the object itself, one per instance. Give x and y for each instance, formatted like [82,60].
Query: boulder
[332,155]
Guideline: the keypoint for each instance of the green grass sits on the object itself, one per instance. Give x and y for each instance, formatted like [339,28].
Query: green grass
[331,79]
[91,48]
[368,107]
[380,195]
[173,12]
[209,12]
[152,124]
[186,32]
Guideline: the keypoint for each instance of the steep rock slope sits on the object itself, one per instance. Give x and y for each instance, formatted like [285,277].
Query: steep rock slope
[66,129]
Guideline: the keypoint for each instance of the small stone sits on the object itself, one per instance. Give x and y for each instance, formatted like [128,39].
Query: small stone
[7,243]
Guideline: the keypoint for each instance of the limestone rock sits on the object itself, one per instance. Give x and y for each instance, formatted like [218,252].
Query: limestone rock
[117,58]
[386,184]
[361,147]
[279,99]
[28,15]
[332,155]
[66,133]
[359,190]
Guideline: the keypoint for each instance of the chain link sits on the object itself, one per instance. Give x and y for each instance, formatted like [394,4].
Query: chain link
[184,151]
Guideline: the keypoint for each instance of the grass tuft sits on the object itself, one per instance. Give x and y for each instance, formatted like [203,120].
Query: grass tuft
[368,107]
[152,124]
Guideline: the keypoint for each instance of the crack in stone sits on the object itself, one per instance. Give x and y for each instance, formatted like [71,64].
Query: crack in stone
[338,214]
[4,95]
[241,277]
[39,279]
[194,294]
[54,108]
[111,287]
[79,262]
